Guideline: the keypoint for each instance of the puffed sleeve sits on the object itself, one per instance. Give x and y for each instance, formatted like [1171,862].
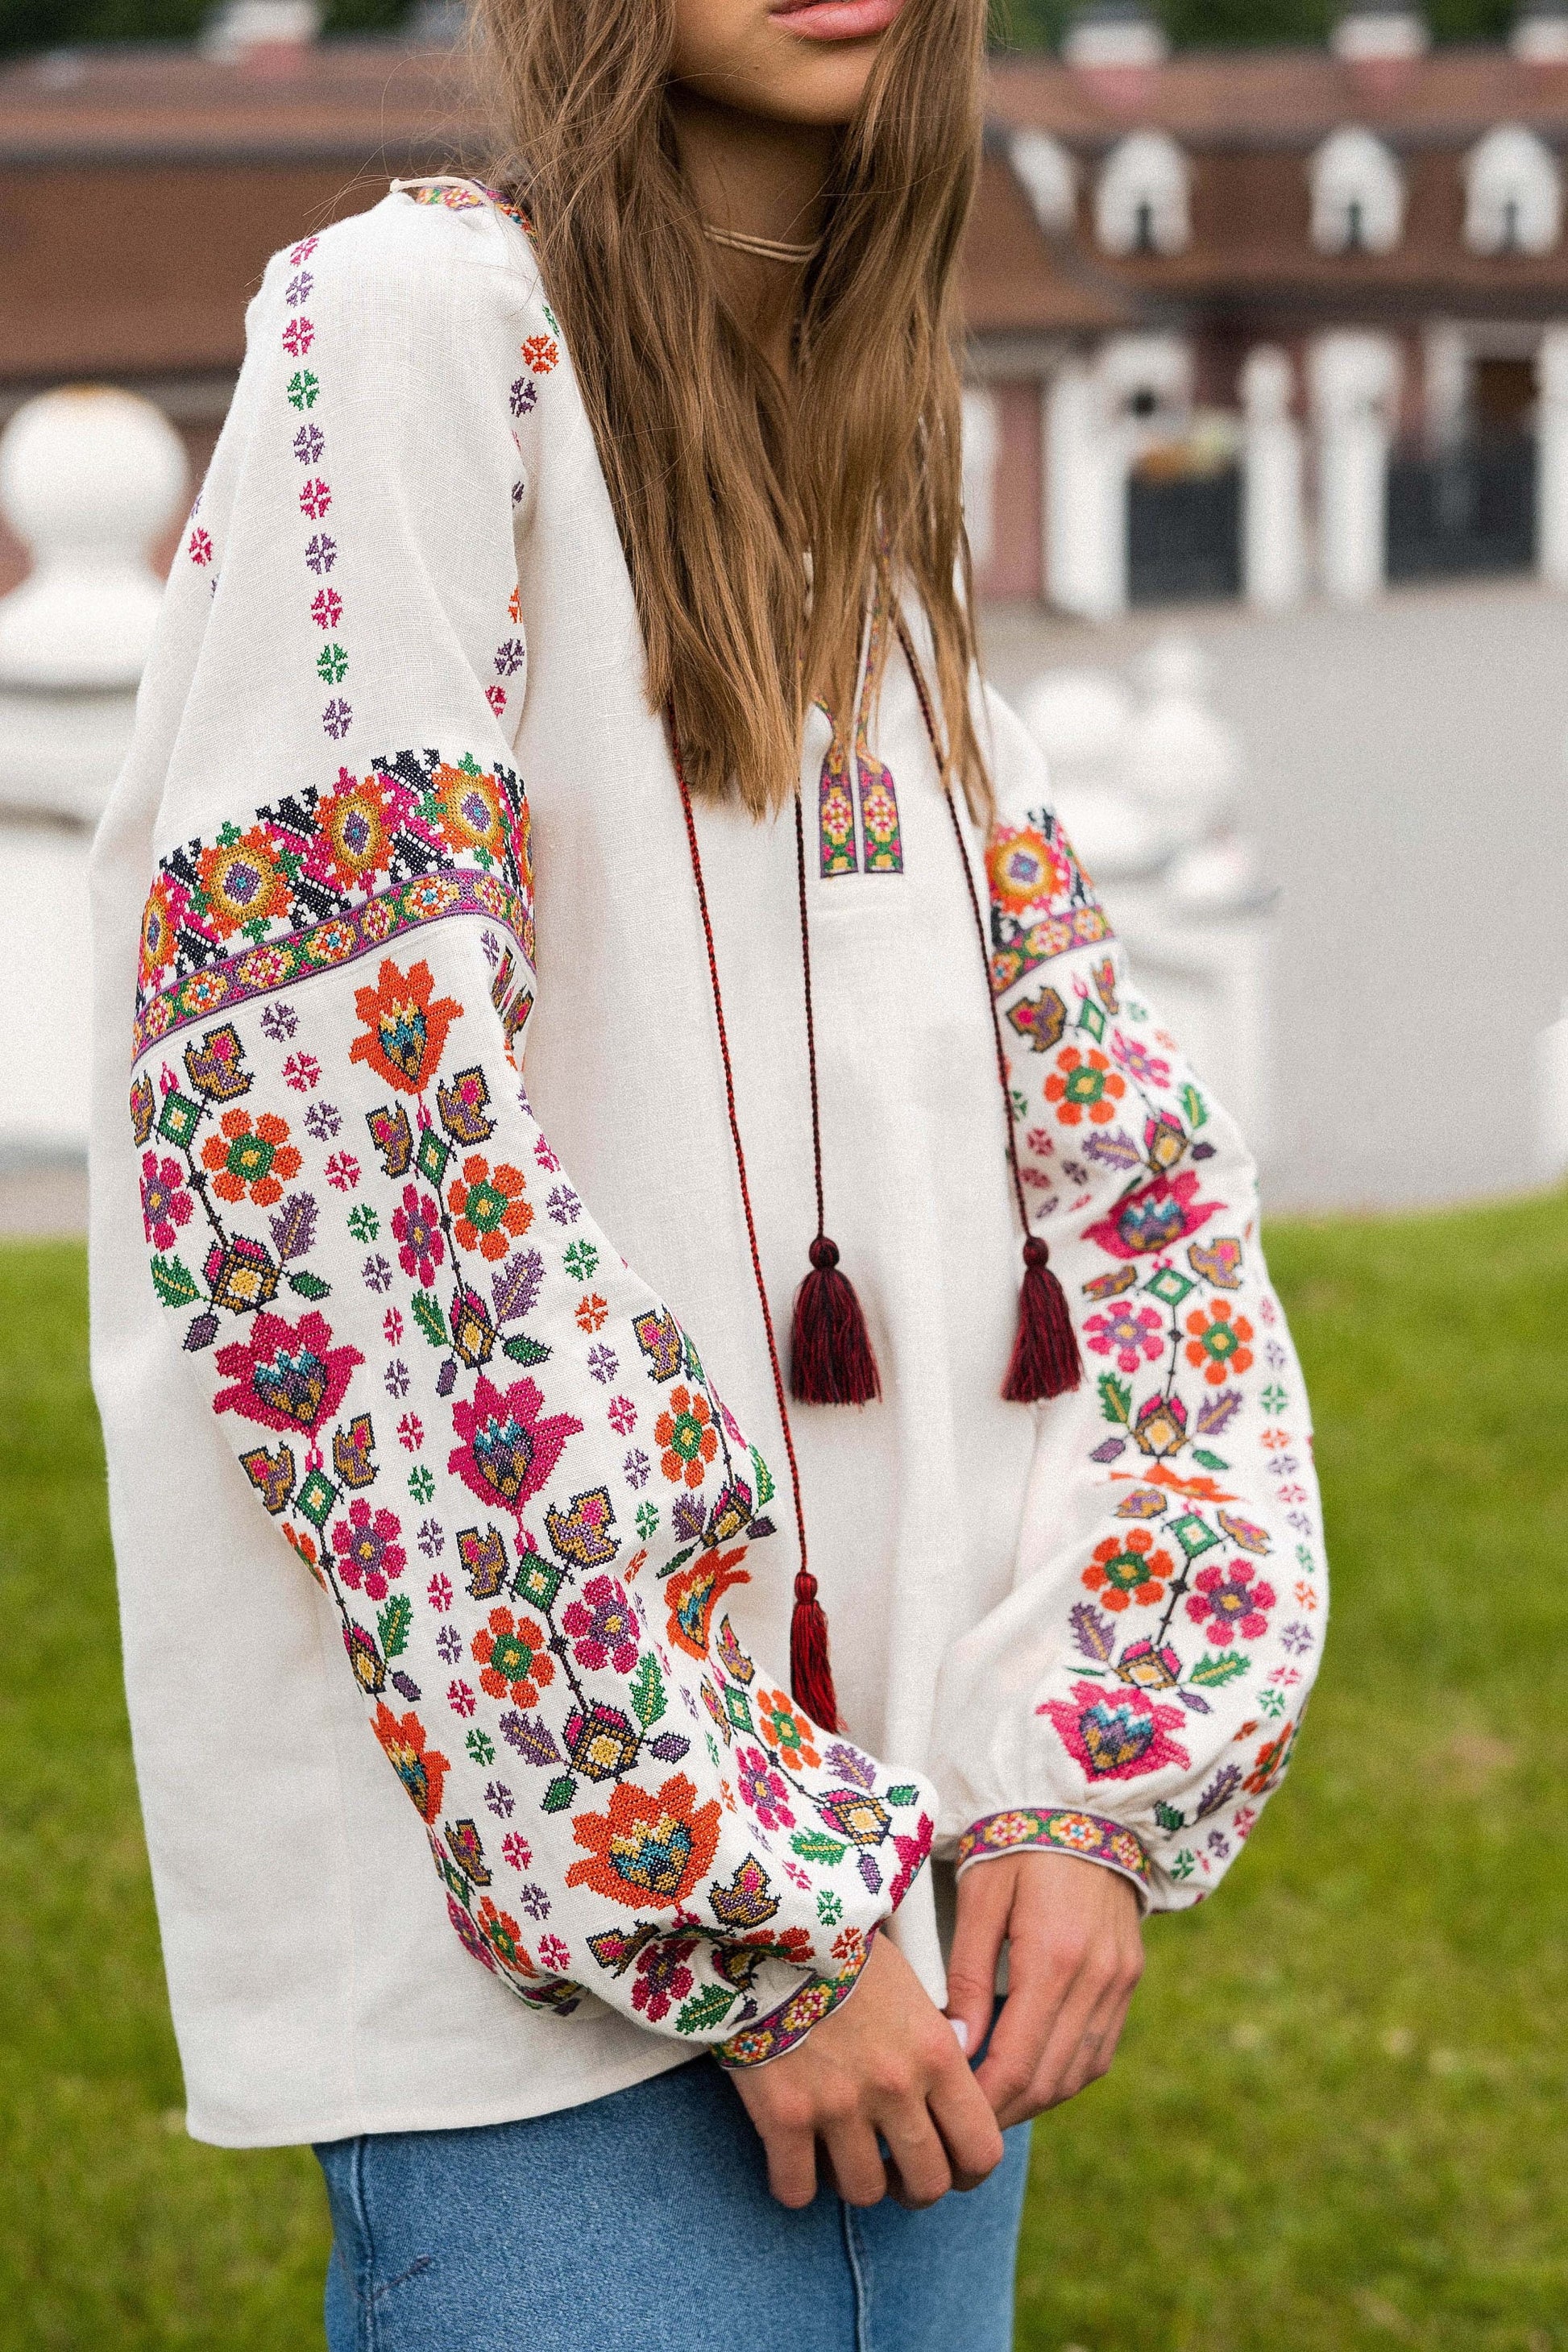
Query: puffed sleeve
[493,1447]
[1135,1696]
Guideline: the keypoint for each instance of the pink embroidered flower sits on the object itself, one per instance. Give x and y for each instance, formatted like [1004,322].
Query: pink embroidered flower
[439,1592]
[1137,1060]
[1155,1217]
[604,1627]
[342,1171]
[1231,1601]
[298,337]
[166,1205]
[1116,1735]
[1130,1333]
[302,1071]
[411,1432]
[555,1954]
[368,1550]
[622,1416]
[510,1445]
[516,1851]
[199,548]
[496,697]
[416,1227]
[662,1975]
[315,497]
[302,251]
[286,1376]
[762,1790]
[326,608]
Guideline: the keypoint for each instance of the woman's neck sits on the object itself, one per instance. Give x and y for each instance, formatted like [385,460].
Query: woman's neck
[767,179]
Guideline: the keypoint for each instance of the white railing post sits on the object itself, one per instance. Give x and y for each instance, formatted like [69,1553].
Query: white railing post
[1273,515]
[1551,458]
[1355,380]
[88,479]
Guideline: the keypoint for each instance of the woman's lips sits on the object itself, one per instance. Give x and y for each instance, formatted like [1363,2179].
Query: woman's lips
[837,20]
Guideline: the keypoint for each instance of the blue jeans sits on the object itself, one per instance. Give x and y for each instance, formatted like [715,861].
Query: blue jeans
[642,2223]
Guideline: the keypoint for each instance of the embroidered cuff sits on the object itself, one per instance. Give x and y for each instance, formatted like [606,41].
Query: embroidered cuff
[1028,1828]
[772,2036]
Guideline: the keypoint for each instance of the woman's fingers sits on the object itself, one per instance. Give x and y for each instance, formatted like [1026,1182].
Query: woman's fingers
[789,2143]
[970,2132]
[917,2158]
[855,2162]
[984,1899]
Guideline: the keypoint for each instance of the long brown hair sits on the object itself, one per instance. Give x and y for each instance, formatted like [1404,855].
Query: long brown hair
[719,478]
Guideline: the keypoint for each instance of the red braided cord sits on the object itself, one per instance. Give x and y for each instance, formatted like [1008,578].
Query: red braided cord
[941,757]
[804,1576]
[810,1023]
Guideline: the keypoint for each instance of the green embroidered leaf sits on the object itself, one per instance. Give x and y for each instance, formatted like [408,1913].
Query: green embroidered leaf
[1167,1816]
[1182,1865]
[559,1794]
[524,1351]
[812,1847]
[703,2009]
[678,1562]
[310,1285]
[906,1793]
[480,1747]
[648,1691]
[1212,1674]
[428,1315]
[1209,1461]
[1115,1397]
[174,1282]
[829,1908]
[1194,1106]
[394,1623]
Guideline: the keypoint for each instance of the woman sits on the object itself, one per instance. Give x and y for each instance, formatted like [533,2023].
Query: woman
[533,859]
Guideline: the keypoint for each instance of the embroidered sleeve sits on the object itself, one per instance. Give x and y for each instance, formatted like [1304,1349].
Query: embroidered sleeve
[1135,1699]
[496,1450]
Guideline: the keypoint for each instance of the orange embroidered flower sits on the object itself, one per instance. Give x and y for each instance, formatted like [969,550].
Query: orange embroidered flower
[1026,872]
[160,922]
[688,1436]
[784,1727]
[489,1206]
[504,1936]
[515,1661]
[1081,1084]
[258,1159]
[1127,1569]
[691,1597]
[647,1849]
[1219,1344]
[354,842]
[420,1768]
[407,1031]
[591,1312]
[541,353]
[242,882]
[468,810]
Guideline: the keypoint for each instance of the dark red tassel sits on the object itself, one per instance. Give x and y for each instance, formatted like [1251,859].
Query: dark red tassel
[1046,1360]
[831,1360]
[810,1669]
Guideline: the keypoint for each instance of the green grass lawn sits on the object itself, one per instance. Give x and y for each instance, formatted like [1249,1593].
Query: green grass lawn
[1336,2122]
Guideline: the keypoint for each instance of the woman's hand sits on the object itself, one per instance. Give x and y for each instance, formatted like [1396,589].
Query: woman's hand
[1075,1957]
[886,2063]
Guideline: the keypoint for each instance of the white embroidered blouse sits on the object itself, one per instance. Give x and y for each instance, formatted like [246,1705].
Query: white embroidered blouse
[404,1036]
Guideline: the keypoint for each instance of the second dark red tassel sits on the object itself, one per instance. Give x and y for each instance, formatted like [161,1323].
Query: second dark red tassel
[1046,1360]
[831,1360]
[810,1669]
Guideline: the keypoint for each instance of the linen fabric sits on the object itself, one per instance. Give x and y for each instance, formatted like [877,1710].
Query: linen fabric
[576,2229]
[425,1337]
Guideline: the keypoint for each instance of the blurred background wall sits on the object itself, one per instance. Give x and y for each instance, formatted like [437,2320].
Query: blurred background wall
[1266,469]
